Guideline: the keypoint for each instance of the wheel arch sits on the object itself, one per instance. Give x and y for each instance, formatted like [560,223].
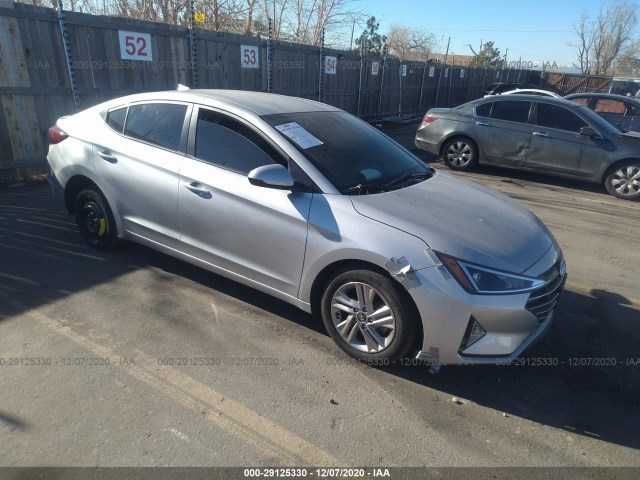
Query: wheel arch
[453,136]
[615,165]
[317,289]
[73,187]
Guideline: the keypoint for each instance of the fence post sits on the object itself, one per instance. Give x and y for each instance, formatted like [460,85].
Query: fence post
[67,53]
[440,76]
[424,74]
[321,78]
[400,74]
[361,80]
[384,69]
[269,59]
[192,45]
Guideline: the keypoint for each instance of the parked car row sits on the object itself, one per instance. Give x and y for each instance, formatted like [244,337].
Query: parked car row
[540,134]
[620,110]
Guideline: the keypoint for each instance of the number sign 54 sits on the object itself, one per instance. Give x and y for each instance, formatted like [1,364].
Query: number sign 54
[135,46]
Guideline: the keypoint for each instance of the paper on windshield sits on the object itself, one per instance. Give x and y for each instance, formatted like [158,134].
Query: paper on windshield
[299,135]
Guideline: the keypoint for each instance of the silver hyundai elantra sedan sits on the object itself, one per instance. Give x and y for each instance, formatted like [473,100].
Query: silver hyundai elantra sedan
[309,204]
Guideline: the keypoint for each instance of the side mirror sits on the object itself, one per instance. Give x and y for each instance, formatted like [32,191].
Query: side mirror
[589,132]
[271,176]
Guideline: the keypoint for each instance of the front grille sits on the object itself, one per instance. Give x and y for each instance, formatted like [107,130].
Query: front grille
[542,301]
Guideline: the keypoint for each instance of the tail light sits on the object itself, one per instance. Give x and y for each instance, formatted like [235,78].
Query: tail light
[427,120]
[56,135]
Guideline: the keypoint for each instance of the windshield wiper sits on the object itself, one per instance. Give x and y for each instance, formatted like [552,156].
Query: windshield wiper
[408,176]
[360,187]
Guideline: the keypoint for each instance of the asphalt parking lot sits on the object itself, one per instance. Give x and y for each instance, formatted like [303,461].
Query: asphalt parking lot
[132,358]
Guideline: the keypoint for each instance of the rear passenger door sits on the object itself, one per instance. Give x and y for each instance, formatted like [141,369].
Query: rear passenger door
[138,159]
[503,132]
[253,232]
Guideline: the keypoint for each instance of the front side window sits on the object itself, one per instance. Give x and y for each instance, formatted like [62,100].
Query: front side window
[559,118]
[227,143]
[511,111]
[605,105]
[156,123]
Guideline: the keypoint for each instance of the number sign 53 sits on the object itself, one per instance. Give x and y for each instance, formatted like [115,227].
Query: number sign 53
[135,46]
[249,56]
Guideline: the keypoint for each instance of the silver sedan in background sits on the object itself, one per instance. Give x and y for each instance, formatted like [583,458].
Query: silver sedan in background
[540,134]
[313,206]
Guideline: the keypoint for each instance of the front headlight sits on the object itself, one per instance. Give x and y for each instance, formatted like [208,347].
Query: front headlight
[477,279]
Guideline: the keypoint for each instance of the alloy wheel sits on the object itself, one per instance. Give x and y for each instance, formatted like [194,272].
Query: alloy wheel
[626,180]
[363,317]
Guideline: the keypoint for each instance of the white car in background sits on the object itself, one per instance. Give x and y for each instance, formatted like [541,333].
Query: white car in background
[531,91]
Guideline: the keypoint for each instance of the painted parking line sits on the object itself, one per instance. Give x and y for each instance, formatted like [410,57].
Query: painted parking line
[285,447]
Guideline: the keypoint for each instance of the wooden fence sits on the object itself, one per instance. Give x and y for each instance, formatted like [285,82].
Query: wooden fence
[37,85]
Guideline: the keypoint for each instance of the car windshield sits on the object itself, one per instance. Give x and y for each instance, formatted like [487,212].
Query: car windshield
[355,157]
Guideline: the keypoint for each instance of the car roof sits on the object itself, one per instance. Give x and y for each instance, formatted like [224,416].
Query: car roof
[511,92]
[533,98]
[260,103]
[609,96]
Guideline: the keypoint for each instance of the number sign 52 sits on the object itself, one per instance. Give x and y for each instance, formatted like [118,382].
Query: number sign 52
[135,46]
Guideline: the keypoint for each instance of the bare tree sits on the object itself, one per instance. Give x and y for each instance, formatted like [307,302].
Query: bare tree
[409,43]
[603,39]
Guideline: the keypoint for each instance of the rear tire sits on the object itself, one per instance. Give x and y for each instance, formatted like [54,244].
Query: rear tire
[95,219]
[623,180]
[460,153]
[367,317]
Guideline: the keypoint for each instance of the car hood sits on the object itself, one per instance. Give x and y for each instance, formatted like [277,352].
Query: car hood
[631,135]
[463,219]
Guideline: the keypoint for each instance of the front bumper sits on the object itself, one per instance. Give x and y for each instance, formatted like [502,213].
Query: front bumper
[512,322]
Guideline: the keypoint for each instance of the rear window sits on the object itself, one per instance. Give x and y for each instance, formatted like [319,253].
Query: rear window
[581,101]
[156,123]
[115,119]
[484,110]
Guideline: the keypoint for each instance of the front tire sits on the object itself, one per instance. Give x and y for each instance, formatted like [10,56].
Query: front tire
[460,153]
[623,180]
[95,219]
[366,316]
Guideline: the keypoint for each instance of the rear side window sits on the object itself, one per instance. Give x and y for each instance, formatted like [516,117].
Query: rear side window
[581,101]
[511,111]
[157,123]
[225,142]
[560,118]
[115,119]
[484,110]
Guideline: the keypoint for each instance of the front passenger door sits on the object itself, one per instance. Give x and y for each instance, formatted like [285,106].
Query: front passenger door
[558,146]
[255,232]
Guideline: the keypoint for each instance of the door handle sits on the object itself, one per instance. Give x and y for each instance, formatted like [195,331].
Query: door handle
[542,134]
[106,155]
[484,124]
[198,189]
